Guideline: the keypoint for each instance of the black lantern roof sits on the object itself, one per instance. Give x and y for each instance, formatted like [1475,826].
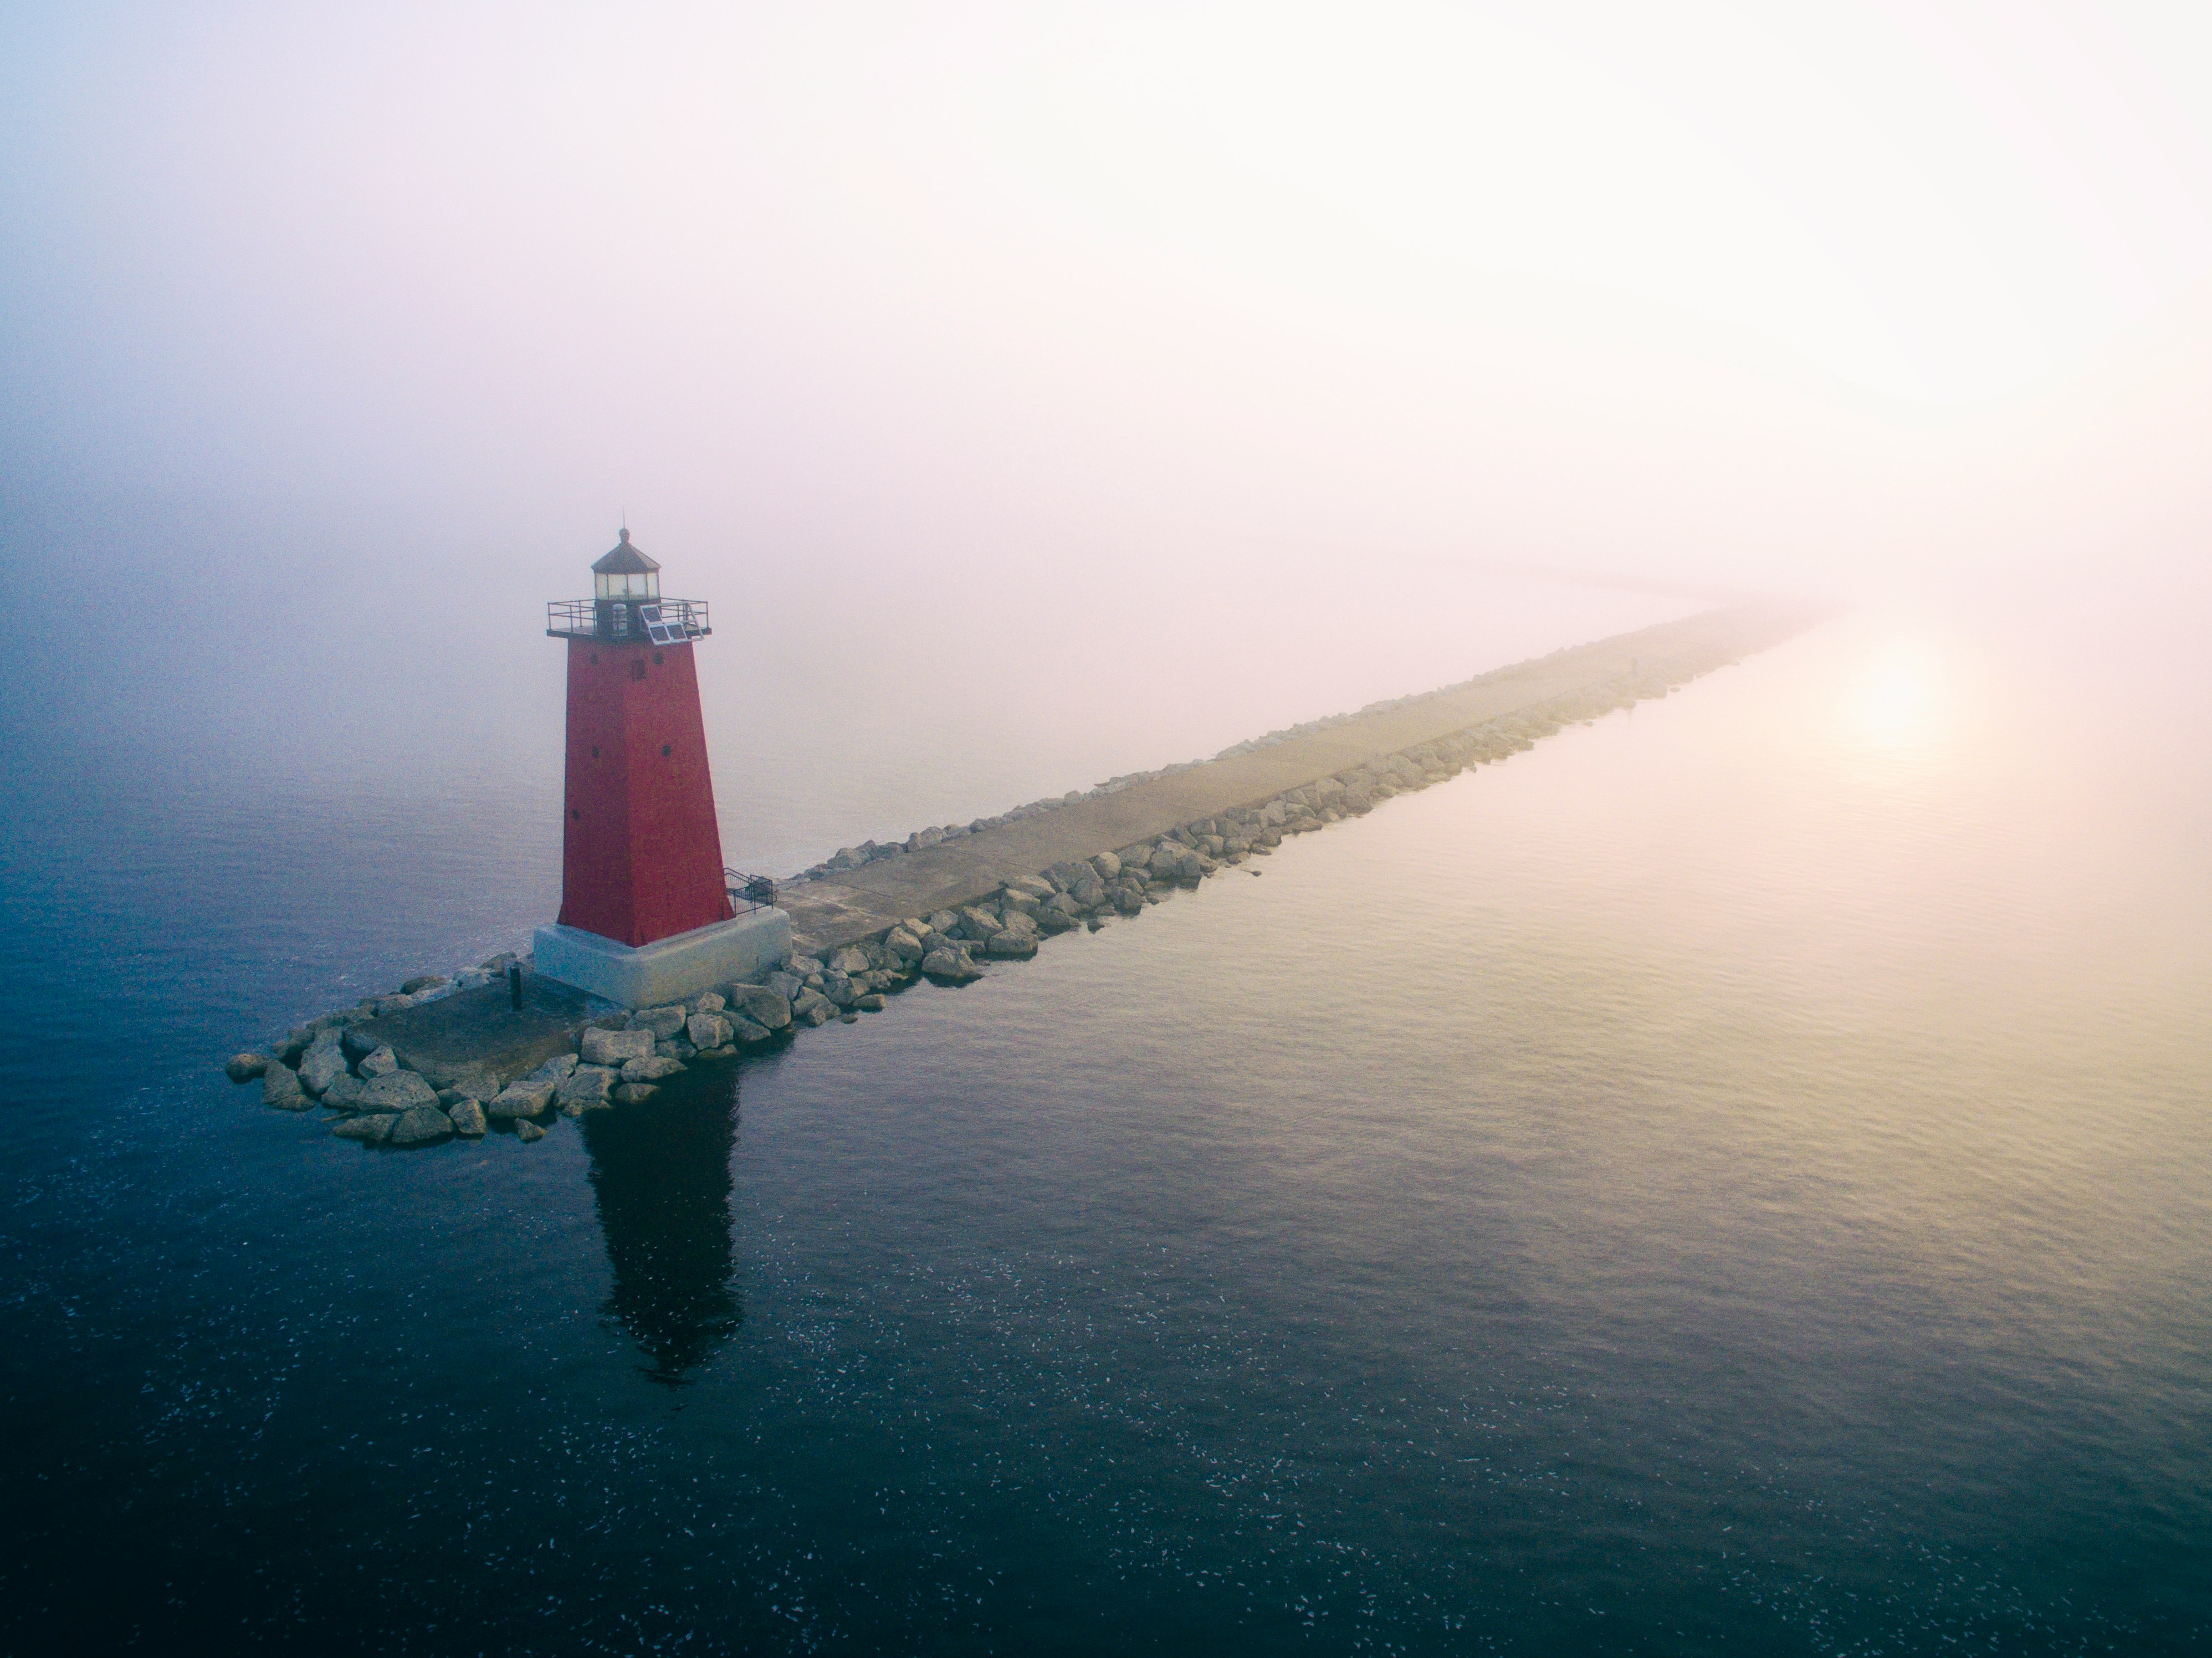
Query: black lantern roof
[625,560]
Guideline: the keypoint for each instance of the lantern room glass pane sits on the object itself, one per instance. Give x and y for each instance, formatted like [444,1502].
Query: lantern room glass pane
[644,584]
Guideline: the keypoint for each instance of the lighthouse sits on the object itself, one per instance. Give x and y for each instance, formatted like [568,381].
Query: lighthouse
[646,916]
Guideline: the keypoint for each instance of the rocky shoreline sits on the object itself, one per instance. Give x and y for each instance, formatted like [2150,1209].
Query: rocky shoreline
[346,1064]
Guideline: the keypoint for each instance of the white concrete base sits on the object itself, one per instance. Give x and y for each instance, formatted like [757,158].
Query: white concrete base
[668,969]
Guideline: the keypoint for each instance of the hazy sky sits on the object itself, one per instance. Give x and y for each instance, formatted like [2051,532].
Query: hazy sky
[1805,295]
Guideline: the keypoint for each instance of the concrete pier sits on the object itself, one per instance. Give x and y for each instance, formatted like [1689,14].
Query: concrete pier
[851,905]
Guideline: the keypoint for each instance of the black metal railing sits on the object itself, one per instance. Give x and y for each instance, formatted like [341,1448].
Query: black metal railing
[620,618]
[757,890]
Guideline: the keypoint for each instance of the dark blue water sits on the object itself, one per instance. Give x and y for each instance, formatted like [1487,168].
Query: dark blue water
[1738,1177]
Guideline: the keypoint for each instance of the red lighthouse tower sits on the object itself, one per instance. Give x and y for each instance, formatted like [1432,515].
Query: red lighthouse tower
[645,913]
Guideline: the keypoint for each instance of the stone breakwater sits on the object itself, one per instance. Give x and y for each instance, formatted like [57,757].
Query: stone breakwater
[446,1058]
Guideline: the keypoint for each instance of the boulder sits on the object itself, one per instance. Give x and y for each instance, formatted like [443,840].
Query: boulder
[468,1118]
[280,1088]
[526,1131]
[422,982]
[372,1130]
[784,985]
[660,1021]
[381,1062]
[767,1008]
[397,1090]
[1108,867]
[710,1003]
[244,1067]
[978,923]
[359,1042]
[1050,920]
[1018,945]
[635,1093]
[813,1008]
[1031,886]
[345,1094]
[1025,927]
[870,1003]
[586,1085]
[524,1098]
[727,1051]
[849,961]
[1088,893]
[904,945]
[650,1071]
[424,1126]
[942,921]
[706,1030]
[949,964]
[613,1047]
[321,1066]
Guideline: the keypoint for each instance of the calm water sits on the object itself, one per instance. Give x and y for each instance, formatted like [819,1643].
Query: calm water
[1738,1177]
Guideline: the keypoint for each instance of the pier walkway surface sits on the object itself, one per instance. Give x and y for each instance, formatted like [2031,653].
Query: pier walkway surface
[850,905]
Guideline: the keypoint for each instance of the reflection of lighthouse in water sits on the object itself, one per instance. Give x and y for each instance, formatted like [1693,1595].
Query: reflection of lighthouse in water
[661,1174]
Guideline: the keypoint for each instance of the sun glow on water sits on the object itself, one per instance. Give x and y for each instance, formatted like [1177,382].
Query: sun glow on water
[1903,701]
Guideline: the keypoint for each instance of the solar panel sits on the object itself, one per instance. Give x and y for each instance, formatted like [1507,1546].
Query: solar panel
[659,632]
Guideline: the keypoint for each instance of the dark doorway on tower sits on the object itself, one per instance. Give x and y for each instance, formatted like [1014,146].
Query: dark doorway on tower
[660,1172]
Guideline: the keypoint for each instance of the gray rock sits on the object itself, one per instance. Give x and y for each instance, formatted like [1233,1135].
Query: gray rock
[709,1003]
[676,1048]
[903,945]
[870,1003]
[422,981]
[244,1067]
[1048,920]
[526,1131]
[813,1008]
[524,1098]
[559,1068]
[763,1007]
[1021,926]
[727,1051]
[1018,945]
[745,1030]
[280,1088]
[424,1126]
[1108,867]
[321,1066]
[1031,886]
[397,1090]
[950,965]
[359,1042]
[979,923]
[804,966]
[650,1071]
[660,1021]
[849,961]
[786,985]
[373,1130]
[942,921]
[706,1030]
[345,1094]
[381,1062]
[613,1047]
[586,1085]
[635,1093]
[468,1118]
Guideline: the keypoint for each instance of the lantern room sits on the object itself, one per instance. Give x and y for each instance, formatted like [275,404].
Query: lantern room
[626,573]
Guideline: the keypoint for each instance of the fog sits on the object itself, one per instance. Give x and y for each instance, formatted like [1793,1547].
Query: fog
[1100,354]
